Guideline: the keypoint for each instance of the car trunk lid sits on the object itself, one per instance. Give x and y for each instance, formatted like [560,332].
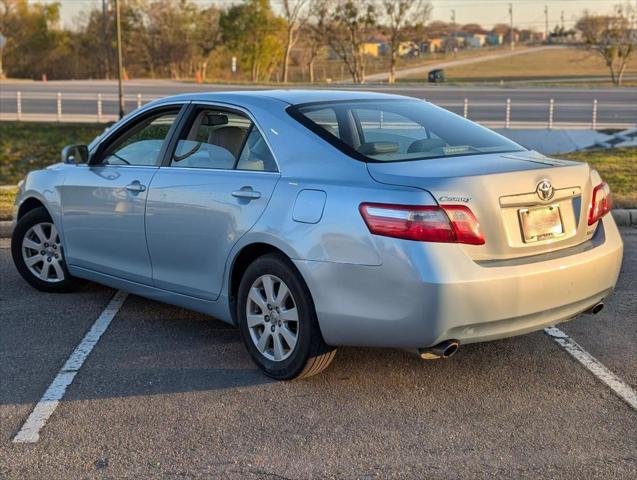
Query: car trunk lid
[503,191]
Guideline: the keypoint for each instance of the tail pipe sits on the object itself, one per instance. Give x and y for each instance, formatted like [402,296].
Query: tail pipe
[595,309]
[444,349]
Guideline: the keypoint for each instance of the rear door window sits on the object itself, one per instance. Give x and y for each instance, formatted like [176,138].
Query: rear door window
[222,140]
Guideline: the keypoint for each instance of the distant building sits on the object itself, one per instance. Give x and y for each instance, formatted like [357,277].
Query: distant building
[408,49]
[375,46]
[494,38]
[433,45]
[476,40]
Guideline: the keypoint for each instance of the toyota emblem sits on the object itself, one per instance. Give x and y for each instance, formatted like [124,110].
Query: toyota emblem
[545,190]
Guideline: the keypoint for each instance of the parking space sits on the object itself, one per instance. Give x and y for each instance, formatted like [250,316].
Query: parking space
[168,392]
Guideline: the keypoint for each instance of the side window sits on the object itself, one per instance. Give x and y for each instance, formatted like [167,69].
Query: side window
[142,144]
[326,118]
[256,154]
[215,140]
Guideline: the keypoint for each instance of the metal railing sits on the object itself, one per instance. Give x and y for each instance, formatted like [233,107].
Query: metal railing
[464,108]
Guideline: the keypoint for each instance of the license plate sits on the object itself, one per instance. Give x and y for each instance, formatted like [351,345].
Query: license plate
[541,223]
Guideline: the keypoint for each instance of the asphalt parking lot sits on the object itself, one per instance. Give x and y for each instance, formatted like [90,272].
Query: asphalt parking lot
[170,393]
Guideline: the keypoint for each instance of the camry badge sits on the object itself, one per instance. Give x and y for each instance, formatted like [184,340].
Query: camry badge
[545,190]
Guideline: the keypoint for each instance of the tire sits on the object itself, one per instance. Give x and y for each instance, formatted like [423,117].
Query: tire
[48,258]
[309,354]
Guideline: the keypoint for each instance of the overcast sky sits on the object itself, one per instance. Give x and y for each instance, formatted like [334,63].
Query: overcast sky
[526,13]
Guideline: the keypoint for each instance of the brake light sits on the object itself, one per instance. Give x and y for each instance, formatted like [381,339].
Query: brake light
[601,203]
[445,223]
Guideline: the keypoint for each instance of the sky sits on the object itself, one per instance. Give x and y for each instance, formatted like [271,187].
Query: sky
[526,13]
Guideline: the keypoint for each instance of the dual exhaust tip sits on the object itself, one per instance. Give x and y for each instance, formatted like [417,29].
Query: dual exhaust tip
[444,349]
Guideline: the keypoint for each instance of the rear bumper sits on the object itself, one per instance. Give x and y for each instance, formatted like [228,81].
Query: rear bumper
[423,294]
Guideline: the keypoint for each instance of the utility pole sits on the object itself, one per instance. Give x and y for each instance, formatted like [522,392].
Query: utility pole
[546,23]
[120,68]
[453,33]
[511,41]
[105,42]
[562,19]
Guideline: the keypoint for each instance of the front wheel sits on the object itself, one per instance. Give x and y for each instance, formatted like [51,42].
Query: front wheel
[38,255]
[277,321]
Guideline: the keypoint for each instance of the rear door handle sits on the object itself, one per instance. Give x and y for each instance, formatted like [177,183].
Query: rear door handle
[135,187]
[246,194]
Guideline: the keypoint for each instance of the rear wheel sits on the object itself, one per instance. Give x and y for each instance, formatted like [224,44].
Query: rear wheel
[277,320]
[38,255]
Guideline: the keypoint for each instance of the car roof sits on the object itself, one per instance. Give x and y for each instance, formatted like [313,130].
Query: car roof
[291,97]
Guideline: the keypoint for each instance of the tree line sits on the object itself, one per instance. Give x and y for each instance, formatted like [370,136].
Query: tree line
[188,39]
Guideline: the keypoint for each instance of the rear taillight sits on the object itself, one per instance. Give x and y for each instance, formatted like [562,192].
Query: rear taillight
[601,203]
[445,223]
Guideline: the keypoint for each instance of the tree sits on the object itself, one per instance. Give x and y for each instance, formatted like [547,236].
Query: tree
[611,37]
[315,32]
[398,15]
[252,29]
[295,16]
[350,22]
[32,36]
[206,37]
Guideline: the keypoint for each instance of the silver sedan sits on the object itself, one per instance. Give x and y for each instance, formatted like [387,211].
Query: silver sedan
[313,219]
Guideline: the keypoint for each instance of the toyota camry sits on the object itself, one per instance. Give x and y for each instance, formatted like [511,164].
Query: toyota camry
[315,219]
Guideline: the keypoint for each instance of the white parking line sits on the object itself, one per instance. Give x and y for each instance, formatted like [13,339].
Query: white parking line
[30,431]
[624,391]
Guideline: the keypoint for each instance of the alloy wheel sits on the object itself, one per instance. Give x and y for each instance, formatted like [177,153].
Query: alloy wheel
[42,252]
[272,318]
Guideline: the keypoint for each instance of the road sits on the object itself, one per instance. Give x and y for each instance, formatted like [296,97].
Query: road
[616,107]
[170,393]
[422,71]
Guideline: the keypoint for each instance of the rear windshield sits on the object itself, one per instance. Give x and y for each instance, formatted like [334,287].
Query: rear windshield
[398,130]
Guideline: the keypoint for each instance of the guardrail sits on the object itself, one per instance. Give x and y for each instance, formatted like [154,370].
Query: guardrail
[464,108]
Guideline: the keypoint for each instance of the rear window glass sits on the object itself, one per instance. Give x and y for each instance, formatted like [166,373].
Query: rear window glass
[399,130]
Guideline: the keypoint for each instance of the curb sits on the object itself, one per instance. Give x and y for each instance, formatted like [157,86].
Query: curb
[625,217]
[6,227]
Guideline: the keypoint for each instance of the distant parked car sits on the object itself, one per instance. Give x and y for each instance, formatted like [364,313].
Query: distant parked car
[313,219]
[437,76]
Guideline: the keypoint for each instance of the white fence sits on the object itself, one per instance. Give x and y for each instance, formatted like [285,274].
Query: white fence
[91,109]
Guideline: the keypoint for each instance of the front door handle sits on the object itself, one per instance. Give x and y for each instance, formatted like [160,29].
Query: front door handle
[135,187]
[247,194]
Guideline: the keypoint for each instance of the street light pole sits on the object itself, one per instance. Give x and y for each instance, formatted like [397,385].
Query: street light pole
[511,41]
[120,68]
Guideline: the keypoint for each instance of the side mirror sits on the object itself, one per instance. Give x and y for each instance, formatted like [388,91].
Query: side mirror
[75,154]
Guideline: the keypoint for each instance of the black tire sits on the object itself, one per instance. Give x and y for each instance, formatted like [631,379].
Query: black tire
[30,219]
[311,354]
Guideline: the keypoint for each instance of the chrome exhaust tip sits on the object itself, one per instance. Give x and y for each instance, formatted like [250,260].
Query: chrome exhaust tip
[595,309]
[445,349]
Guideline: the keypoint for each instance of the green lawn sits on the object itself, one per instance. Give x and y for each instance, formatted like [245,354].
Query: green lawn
[618,167]
[26,146]
[29,146]
[555,63]
[7,196]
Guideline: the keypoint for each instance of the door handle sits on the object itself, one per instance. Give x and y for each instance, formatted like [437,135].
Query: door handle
[135,187]
[246,194]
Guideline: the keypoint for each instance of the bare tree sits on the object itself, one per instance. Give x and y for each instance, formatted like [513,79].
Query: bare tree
[295,16]
[350,22]
[397,16]
[612,37]
[315,32]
